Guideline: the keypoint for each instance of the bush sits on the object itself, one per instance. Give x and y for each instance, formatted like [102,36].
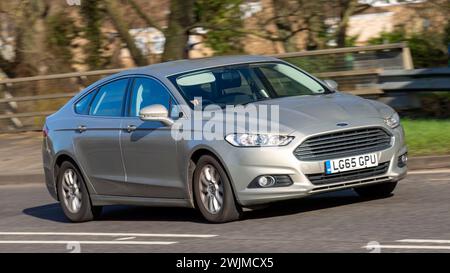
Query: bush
[426,49]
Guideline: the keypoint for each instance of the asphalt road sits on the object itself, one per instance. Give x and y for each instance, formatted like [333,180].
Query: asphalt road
[415,219]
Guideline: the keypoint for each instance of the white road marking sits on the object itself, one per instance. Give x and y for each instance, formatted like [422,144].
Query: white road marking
[125,238]
[90,242]
[424,241]
[111,234]
[14,185]
[407,247]
[432,171]
[439,179]
[413,244]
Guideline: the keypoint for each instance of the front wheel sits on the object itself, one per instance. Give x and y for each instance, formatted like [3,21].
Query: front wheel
[213,193]
[74,196]
[377,190]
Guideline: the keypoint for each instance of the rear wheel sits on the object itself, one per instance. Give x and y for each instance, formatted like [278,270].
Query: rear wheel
[213,193]
[377,190]
[74,196]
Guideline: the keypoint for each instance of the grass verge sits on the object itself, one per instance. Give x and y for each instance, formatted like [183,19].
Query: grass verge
[427,137]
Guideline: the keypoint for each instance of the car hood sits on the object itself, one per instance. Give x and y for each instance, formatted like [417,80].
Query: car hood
[302,112]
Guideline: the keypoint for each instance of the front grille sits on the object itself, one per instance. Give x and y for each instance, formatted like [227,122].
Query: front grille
[343,143]
[323,179]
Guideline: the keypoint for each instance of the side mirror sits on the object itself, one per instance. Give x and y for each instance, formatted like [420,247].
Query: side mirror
[331,84]
[156,112]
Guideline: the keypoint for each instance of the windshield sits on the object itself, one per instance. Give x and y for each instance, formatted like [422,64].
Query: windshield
[242,84]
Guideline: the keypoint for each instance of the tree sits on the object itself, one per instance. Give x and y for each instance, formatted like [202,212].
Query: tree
[425,49]
[292,17]
[288,18]
[223,22]
[114,12]
[447,41]
[92,16]
[30,38]
[221,19]
[347,8]
[285,27]
[181,18]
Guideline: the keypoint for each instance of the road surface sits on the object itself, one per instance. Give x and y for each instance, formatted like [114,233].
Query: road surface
[415,218]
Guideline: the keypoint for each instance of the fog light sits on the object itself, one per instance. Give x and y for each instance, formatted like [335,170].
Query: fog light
[402,160]
[270,181]
[266,181]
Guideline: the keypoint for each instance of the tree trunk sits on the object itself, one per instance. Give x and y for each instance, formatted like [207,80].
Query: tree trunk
[91,15]
[290,44]
[147,18]
[177,34]
[282,23]
[347,8]
[122,27]
[31,53]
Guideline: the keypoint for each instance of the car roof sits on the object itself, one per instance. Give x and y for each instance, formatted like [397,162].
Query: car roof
[175,67]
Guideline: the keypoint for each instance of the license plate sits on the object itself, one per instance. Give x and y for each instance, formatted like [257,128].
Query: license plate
[351,163]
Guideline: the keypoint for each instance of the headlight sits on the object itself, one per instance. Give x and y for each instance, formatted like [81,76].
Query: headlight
[392,121]
[258,140]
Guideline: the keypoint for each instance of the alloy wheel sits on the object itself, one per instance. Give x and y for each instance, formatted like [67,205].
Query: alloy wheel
[211,189]
[71,190]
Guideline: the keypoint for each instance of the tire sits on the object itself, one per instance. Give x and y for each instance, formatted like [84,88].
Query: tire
[213,194]
[377,190]
[80,210]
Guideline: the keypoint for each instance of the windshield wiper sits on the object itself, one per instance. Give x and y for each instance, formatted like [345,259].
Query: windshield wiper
[263,99]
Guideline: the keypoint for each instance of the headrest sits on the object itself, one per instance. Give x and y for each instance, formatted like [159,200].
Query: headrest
[195,91]
[230,79]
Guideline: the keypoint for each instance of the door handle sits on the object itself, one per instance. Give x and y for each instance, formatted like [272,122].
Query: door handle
[81,128]
[131,128]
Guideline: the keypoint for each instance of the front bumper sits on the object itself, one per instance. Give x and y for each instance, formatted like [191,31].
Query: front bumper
[244,164]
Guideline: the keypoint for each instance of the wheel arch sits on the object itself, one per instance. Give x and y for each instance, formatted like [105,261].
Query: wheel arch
[193,159]
[59,160]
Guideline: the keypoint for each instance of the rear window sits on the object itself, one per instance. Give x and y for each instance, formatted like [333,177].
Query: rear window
[109,99]
[82,106]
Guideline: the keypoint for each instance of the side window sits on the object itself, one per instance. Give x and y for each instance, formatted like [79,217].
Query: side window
[147,92]
[109,99]
[82,106]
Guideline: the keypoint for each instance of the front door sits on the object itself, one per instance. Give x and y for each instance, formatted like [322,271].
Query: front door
[149,151]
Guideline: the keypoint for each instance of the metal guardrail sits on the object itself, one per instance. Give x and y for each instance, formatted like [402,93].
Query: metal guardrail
[388,56]
[417,80]
[356,69]
[80,75]
[408,64]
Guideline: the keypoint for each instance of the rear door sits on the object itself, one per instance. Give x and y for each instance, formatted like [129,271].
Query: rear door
[97,141]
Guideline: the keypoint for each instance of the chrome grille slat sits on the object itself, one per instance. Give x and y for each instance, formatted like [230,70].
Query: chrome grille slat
[323,179]
[359,141]
[324,151]
[343,143]
[339,154]
[338,139]
[340,135]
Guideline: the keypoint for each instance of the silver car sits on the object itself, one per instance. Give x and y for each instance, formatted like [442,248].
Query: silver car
[118,141]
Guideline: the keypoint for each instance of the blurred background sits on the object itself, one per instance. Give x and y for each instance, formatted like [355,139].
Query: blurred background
[395,51]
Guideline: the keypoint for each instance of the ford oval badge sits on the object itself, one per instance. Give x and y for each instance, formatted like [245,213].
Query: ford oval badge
[342,124]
